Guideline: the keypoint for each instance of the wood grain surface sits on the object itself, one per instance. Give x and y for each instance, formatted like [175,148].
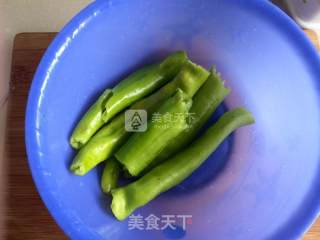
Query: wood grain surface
[26,216]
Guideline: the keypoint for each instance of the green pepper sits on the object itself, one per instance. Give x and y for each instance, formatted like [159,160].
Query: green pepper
[142,83]
[205,102]
[134,87]
[100,147]
[143,147]
[90,122]
[110,175]
[179,167]
[189,80]
[103,144]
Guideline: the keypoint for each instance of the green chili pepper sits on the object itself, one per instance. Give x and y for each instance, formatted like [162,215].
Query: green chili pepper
[100,147]
[142,83]
[103,144]
[136,86]
[110,175]
[179,167]
[90,122]
[205,102]
[189,80]
[143,147]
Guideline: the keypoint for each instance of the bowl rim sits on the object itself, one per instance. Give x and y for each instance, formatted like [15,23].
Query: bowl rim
[49,59]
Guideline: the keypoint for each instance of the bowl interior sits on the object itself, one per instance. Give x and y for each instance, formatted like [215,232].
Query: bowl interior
[262,180]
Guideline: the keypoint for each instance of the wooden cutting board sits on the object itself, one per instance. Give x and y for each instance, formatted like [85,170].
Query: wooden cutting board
[26,216]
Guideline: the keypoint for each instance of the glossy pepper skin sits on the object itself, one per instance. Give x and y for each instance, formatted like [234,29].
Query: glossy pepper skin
[143,147]
[106,141]
[100,147]
[142,83]
[134,87]
[190,78]
[205,102]
[90,122]
[179,167]
[110,175]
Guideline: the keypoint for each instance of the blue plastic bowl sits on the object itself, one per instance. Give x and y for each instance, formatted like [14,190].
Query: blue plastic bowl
[262,183]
